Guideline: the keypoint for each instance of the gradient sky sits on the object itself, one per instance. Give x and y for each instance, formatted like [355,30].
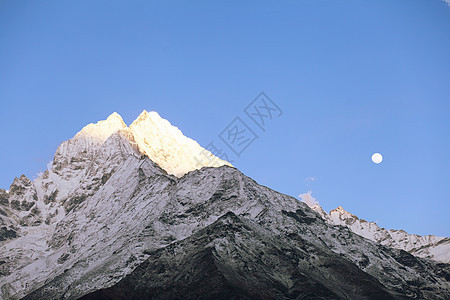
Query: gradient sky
[351,77]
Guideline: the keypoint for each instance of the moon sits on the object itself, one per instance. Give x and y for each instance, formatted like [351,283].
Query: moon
[377,158]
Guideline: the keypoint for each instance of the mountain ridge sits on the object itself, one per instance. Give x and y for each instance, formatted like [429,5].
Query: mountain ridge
[105,206]
[426,246]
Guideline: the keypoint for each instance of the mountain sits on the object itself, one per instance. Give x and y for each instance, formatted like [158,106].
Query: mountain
[429,246]
[143,212]
[263,265]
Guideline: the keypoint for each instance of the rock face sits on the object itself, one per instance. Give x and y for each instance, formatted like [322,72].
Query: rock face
[235,257]
[123,219]
[429,246]
[8,229]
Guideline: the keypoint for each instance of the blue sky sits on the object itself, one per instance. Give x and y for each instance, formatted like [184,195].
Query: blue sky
[352,78]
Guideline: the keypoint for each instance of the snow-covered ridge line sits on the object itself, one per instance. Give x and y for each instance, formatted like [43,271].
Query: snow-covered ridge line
[427,246]
[154,137]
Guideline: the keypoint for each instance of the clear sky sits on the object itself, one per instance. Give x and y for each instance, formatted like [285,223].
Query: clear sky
[351,77]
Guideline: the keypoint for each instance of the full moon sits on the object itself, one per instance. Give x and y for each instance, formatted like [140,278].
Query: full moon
[377,158]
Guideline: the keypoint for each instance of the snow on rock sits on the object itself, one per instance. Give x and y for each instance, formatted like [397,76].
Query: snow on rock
[81,148]
[32,212]
[141,209]
[428,246]
[115,193]
[87,160]
[168,147]
[149,133]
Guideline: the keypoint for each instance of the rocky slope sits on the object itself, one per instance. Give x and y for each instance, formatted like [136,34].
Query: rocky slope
[117,203]
[235,257]
[428,246]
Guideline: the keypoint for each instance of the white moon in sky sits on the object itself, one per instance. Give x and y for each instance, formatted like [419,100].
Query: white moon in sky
[377,158]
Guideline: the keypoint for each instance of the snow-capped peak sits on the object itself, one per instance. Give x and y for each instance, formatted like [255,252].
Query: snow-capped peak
[114,116]
[145,115]
[149,124]
[82,148]
[101,130]
[166,145]
[341,215]
[341,211]
[154,136]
